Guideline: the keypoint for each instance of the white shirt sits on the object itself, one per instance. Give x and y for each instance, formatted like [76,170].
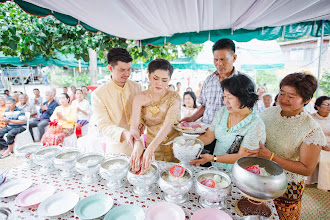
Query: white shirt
[85,106]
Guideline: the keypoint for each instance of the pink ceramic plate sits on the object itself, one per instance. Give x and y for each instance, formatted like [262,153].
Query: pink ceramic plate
[33,196]
[210,213]
[165,211]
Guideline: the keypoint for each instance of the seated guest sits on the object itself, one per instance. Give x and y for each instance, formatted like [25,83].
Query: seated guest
[2,110]
[189,106]
[236,127]
[86,93]
[7,93]
[66,116]
[65,90]
[260,104]
[321,174]
[73,94]
[171,87]
[294,139]
[55,97]
[267,100]
[37,99]
[26,106]
[197,92]
[189,89]
[46,110]
[84,111]
[15,95]
[15,120]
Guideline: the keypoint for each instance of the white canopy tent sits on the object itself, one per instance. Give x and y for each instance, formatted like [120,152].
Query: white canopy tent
[143,19]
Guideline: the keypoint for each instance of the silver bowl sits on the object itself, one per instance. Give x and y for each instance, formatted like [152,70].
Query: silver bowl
[5,213]
[66,161]
[24,153]
[89,165]
[144,185]
[45,157]
[254,217]
[174,191]
[257,186]
[186,153]
[212,197]
[114,170]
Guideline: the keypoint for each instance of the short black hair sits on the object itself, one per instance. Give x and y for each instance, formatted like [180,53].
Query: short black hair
[319,101]
[36,89]
[178,83]
[160,64]
[193,96]
[66,96]
[224,44]
[242,87]
[65,87]
[118,54]
[6,90]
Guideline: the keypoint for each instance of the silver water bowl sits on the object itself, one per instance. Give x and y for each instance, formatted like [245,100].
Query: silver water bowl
[212,197]
[254,217]
[114,170]
[186,153]
[89,165]
[25,152]
[257,186]
[144,184]
[65,161]
[5,213]
[44,157]
[176,192]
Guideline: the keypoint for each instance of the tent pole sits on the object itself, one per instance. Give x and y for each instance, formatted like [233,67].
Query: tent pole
[320,58]
[74,76]
[22,80]
[141,62]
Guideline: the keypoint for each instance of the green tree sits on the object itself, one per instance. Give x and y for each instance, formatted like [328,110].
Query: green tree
[268,79]
[26,36]
[325,82]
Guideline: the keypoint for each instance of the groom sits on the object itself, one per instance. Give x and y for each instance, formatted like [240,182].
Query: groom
[112,103]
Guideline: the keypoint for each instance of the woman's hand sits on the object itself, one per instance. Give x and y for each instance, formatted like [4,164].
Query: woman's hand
[261,152]
[148,158]
[204,158]
[326,148]
[136,156]
[130,138]
[59,115]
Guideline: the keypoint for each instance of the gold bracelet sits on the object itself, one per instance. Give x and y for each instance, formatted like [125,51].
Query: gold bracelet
[271,157]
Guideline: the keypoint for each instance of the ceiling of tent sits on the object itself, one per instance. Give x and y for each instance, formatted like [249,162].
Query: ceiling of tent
[158,22]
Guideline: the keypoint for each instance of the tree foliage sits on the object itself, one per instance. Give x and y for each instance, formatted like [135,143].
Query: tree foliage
[325,82]
[268,79]
[26,36]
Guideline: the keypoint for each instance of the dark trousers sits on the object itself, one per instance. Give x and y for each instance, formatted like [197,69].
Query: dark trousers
[12,132]
[209,147]
[41,127]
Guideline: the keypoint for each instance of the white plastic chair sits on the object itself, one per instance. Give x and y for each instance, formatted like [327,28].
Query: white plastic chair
[24,137]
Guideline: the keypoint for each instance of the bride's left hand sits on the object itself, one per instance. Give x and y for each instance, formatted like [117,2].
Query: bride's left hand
[148,158]
[261,152]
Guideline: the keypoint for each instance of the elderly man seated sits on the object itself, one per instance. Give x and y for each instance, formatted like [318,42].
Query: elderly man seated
[27,106]
[46,110]
[15,121]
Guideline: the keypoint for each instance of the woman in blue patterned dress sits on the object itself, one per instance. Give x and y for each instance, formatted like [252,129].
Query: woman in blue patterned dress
[236,127]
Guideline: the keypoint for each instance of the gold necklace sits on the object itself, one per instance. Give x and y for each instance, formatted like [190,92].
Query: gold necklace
[155,108]
[229,121]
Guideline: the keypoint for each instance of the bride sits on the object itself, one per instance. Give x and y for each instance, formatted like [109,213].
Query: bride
[159,110]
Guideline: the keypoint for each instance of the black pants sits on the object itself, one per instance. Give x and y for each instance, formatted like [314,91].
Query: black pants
[12,132]
[41,127]
[209,147]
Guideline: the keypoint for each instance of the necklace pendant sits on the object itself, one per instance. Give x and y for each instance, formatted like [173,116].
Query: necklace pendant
[154,110]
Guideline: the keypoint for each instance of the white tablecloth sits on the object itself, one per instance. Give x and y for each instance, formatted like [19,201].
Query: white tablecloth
[122,196]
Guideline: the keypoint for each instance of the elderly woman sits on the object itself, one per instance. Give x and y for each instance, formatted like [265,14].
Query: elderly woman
[236,127]
[159,109]
[294,139]
[321,174]
[66,115]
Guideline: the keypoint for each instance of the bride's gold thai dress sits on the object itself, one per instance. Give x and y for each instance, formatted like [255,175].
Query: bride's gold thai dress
[154,120]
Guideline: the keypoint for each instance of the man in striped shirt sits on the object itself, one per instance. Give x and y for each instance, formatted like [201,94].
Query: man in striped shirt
[15,119]
[211,96]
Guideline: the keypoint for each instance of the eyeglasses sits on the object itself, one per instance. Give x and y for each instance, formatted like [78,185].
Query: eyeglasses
[326,105]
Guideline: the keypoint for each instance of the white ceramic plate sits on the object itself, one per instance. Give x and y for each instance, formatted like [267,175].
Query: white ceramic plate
[58,204]
[14,187]
[199,131]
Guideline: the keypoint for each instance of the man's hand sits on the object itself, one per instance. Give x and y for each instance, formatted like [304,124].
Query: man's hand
[136,156]
[130,138]
[43,107]
[188,119]
[5,120]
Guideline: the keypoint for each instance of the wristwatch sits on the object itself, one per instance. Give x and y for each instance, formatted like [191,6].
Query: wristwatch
[215,158]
